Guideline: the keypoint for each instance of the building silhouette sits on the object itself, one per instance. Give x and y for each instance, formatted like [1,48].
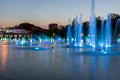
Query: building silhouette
[53,26]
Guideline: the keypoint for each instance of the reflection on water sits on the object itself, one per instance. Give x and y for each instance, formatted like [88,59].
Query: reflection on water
[92,67]
[104,64]
[89,67]
[4,54]
[57,64]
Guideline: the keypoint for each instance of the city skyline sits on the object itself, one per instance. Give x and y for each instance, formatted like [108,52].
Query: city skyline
[43,12]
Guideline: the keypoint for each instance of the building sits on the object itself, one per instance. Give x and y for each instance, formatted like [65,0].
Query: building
[53,26]
[14,33]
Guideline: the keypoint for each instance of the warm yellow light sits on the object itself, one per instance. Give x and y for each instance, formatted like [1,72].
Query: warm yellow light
[4,55]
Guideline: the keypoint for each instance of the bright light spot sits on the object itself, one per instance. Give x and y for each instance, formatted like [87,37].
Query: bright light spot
[80,45]
[102,44]
[93,46]
[36,48]
[53,34]
[104,52]
[82,34]
[31,41]
[22,43]
[72,39]
[7,31]
[40,40]
[107,45]
[67,39]
[81,41]
[118,40]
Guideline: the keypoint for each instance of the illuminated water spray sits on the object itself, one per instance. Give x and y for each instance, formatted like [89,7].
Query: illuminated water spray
[76,25]
[78,32]
[117,31]
[105,39]
[23,41]
[16,41]
[31,41]
[69,34]
[92,27]
[108,32]
[101,34]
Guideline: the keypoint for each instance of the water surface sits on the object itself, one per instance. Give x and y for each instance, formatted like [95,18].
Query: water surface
[26,63]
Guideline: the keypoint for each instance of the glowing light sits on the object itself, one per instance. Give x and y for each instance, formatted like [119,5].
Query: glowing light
[40,40]
[36,48]
[108,46]
[16,41]
[72,39]
[93,45]
[31,40]
[104,52]
[82,34]
[53,34]
[80,45]
[82,41]
[101,44]
[23,41]
[4,55]
[118,40]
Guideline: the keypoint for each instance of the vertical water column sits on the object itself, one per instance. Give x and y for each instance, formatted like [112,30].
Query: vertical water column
[40,40]
[31,41]
[92,27]
[92,31]
[69,34]
[117,30]
[80,32]
[23,41]
[76,35]
[108,31]
[102,33]
[16,41]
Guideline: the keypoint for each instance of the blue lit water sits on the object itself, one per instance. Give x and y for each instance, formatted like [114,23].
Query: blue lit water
[59,63]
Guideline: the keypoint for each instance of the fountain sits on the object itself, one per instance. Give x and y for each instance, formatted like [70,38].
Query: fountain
[108,32]
[69,34]
[23,41]
[92,31]
[102,35]
[92,27]
[117,28]
[76,35]
[105,39]
[78,32]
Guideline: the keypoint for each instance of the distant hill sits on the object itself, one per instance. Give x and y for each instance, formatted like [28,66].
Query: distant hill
[32,28]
